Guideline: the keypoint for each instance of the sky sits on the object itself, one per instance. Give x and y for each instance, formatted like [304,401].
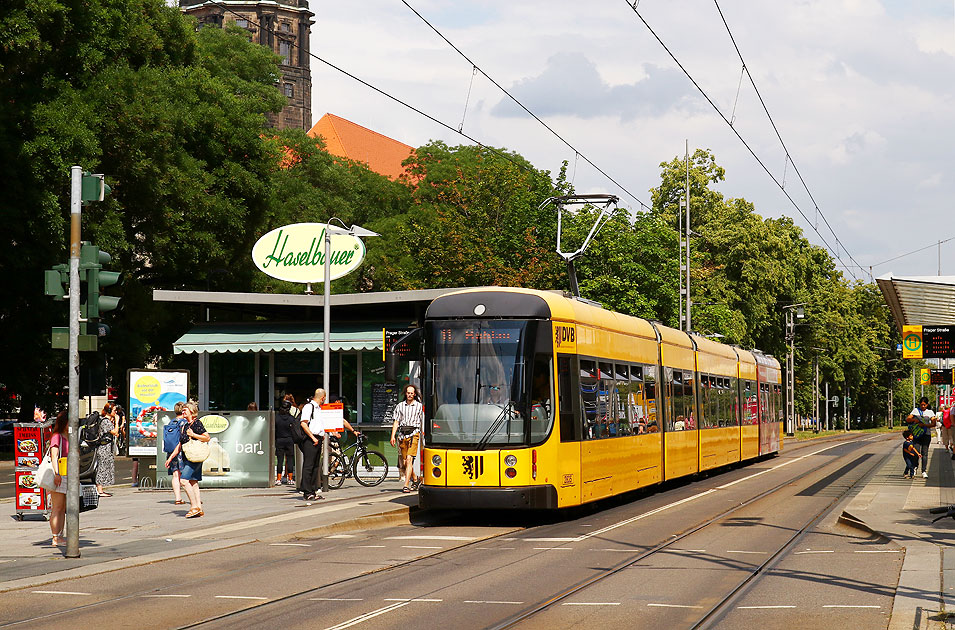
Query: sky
[860,91]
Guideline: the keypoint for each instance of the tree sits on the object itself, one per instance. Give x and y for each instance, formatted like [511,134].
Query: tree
[173,116]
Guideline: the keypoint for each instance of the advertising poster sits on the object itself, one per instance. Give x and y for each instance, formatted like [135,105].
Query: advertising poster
[150,392]
[241,453]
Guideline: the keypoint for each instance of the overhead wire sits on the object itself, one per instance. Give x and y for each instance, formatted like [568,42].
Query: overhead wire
[476,67]
[776,129]
[418,111]
[741,139]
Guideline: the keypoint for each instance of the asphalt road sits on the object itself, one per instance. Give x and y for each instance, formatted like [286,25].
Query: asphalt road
[609,567]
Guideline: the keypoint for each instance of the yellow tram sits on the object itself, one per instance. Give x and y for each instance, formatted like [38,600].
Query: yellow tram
[535,400]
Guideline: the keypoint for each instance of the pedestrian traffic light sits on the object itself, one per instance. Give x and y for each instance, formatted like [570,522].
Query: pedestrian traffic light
[56,282]
[94,187]
[92,259]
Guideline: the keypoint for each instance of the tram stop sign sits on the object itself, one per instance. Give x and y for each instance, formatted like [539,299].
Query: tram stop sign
[928,342]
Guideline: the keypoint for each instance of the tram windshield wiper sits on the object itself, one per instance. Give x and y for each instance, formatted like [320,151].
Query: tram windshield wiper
[505,412]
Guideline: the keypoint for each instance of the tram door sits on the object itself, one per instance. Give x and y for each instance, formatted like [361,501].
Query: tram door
[567,478]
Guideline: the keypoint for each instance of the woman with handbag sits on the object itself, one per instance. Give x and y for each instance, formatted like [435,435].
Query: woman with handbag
[106,464]
[59,447]
[190,470]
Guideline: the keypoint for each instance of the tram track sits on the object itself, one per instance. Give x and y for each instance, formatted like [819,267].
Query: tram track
[712,616]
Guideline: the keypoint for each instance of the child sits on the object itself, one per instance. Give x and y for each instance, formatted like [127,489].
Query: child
[910,454]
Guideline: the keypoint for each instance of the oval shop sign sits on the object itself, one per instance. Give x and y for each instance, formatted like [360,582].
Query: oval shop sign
[297,253]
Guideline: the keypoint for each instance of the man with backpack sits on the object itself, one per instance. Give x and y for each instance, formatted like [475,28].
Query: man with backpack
[171,435]
[311,446]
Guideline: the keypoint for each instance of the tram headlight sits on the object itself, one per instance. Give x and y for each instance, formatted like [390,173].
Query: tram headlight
[435,460]
[510,460]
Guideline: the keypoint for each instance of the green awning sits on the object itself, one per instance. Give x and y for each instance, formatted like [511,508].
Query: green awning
[277,337]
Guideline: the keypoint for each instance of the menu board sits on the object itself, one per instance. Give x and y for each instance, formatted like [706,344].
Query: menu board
[29,444]
[384,397]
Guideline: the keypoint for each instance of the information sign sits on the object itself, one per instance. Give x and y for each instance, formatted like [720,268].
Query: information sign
[938,342]
[943,377]
[384,397]
[333,417]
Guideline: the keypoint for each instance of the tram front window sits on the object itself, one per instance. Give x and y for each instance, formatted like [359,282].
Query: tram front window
[481,383]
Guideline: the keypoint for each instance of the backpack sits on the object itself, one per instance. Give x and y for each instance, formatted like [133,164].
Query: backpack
[170,435]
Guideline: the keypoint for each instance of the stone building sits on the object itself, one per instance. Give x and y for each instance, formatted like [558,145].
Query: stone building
[284,27]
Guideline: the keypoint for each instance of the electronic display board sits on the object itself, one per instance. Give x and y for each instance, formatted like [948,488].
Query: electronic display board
[943,377]
[938,342]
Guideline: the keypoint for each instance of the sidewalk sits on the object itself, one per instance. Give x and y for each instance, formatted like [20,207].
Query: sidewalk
[898,509]
[135,527]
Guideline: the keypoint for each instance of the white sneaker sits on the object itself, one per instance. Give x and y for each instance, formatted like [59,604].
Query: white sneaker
[925,474]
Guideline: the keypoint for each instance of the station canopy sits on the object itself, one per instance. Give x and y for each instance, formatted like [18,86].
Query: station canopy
[919,300]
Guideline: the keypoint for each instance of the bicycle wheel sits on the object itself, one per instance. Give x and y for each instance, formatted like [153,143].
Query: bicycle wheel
[370,468]
[336,471]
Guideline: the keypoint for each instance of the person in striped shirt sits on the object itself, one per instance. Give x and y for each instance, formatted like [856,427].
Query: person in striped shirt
[408,419]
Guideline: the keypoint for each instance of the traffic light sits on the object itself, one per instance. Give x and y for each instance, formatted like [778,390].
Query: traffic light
[93,187]
[92,259]
[56,282]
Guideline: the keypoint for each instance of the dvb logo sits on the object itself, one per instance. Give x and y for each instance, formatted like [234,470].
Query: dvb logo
[565,337]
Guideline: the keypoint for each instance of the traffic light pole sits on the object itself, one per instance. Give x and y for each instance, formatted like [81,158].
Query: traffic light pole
[73,456]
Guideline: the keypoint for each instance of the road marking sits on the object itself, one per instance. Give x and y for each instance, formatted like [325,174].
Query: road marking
[761,607]
[60,593]
[419,547]
[644,515]
[550,539]
[848,606]
[167,595]
[819,551]
[496,548]
[238,597]
[671,606]
[342,536]
[6,483]
[786,463]
[335,599]
[690,550]
[430,538]
[590,604]
[368,546]
[759,553]
[279,518]
[288,545]
[478,601]
[359,619]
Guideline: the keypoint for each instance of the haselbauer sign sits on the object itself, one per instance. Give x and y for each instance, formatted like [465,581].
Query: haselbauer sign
[297,253]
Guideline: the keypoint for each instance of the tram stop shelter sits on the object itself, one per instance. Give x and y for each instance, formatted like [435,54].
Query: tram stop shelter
[919,300]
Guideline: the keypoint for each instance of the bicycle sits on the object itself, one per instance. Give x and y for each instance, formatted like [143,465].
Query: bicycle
[367,466]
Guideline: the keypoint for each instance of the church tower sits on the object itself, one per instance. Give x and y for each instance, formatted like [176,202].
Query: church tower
[283,27]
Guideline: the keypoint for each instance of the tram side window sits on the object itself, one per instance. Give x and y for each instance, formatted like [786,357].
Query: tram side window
[542,397]
[607,401]
[653,420]
[621,374]
[707,399]
[732,402]
[681,412]
[566,386]
[589,386]
[750,408]
[636,401]
[778,400]
[764,403]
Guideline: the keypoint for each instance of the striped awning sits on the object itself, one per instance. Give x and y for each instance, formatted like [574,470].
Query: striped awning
[914,300]
[277,337]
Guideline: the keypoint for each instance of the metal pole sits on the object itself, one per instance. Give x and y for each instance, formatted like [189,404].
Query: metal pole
[73,459]
[815,396]
[689,321]
[845,414]
[326,359]
[827,406]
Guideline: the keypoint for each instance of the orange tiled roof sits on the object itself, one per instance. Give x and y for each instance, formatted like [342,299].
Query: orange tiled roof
[346,139]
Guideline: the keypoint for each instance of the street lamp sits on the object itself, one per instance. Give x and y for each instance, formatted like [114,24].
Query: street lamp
[792,312]
[354,230]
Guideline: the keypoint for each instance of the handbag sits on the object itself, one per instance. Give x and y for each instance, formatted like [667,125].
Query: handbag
[45,474]
[196,451]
